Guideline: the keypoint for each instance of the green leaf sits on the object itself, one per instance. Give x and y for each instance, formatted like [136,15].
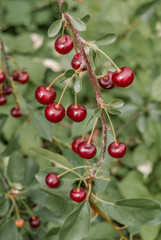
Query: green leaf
[8,231]
[16,168]
[113,111]
[4,207]
[44,128]
[149,232]
[142,124]
[3,119]
[54,28]
[53,234]
[86,18]
[97,112]
[78,24]
[156,90]
[117,103]
[56,158]
[77,225]
[132,211]
[69,73]
[64,7]
[92,56]
[78,84]
[11,147]
[31,168]
[106,39]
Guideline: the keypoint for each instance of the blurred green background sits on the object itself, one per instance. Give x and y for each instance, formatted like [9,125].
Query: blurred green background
[138,27]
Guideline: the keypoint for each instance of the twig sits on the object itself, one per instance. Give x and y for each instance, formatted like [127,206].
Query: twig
[4,182]
[8,71]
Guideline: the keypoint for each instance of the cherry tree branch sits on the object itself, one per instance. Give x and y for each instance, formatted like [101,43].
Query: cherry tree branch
[99,99]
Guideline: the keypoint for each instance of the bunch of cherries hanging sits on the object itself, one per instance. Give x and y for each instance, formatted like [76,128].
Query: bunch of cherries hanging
[7,89]
[55,112]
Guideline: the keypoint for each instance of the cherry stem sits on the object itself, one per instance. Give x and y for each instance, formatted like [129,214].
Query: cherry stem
[27,208]
[14,60]
[85,128]
[100,200]
[99,50]
[14,205]
[48,88]
[63,31]
[71,34]
[78,188]
[111,126]
[71,170]
[0,59]
[76,105]
[64,90]
[92,131]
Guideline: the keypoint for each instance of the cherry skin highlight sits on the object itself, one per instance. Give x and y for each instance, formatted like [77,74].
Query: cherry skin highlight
[19,223]
[106,82]
[75,144]
[65,45]
[7,90]
[77,63]
[52,180]
[2,77]
[3,100]
[123,78]
[16,112]
[77,114]
[45,96]
[34,222]
[86,150]
[54,113]
[117,150]
[78,195]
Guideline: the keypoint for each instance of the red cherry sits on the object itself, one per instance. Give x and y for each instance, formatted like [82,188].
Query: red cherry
[77,63]
[16,112]
[2,77]
[23,77]
[78,195]
[19,223]
[52,180]
[34,222]
[65,45]
[75,144]
[106,82]
[123,78]
[45,96]
[86,150]
[76,114]
[117,150]
[54,113]
[3,100]
[7,90]
[16,74]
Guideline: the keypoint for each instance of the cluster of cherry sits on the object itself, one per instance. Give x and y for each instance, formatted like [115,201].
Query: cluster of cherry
[21,77]
[55,112]
[34,222]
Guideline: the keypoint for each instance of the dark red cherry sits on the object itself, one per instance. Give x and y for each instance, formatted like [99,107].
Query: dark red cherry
[117,150]
[86,150]
[3,100]
[34,222]
[76,113]
[16,74]
[77,63]
[7,90]
[64,45]
[106,82]
[123,78]
[16,112]
[75,144]
[23,77]
[2,77]
[52,180]
[78,195]
[45,96]
[54,113]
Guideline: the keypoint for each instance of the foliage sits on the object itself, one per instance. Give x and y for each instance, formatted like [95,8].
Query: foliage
[24,163]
